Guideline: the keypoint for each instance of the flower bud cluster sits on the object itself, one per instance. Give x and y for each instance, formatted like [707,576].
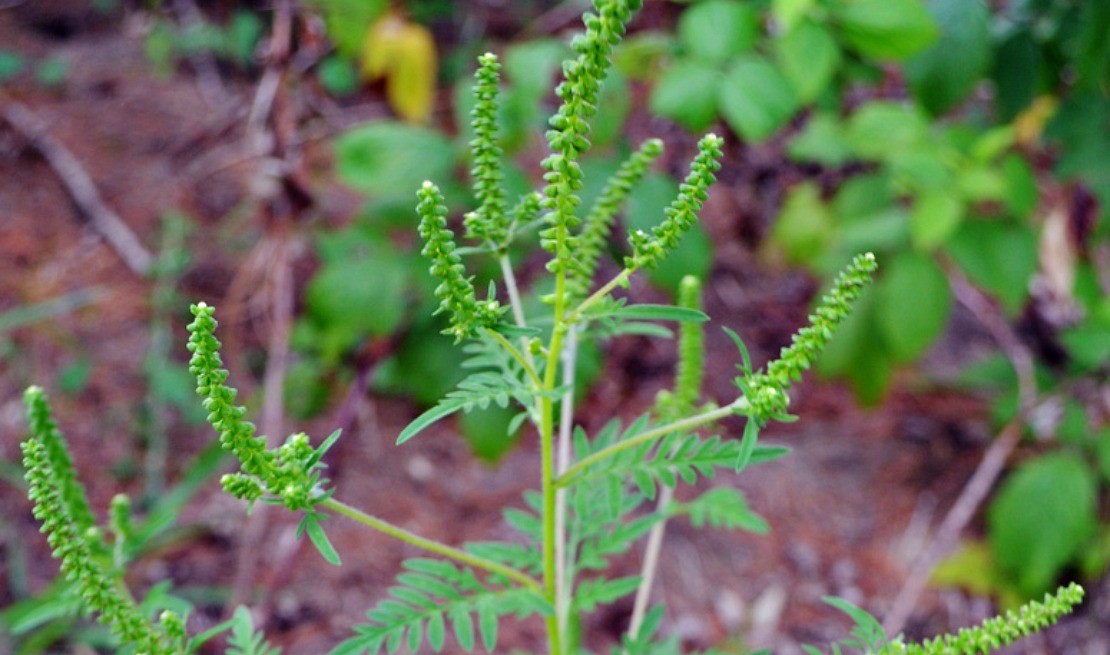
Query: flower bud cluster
[649,249]
[455,290]
[489,221]
[286,473]
[767,393]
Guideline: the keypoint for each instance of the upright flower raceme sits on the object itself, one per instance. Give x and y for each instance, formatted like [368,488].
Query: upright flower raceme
[289,472]
[455,290]
[766,393]
[488,222]
[51,487]
[649,249]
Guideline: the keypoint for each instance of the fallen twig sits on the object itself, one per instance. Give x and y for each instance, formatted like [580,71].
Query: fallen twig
[994,459]
[79,184]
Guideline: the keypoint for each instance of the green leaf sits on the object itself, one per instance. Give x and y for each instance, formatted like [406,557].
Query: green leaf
[821,140]
[687,94]
[718,30]
[946,73]
[747,445]
[436,632]
[722,507]
[936,216]
[788,12]
[338,76]
[755,98]
[346,21]
[598,591]
[389,158]
[1018,63]
[880,130]
[998,256]
[884,29]
[487,432]
[914,302]
[463,627]
[804,228]
[858,352]
[1040,518]
[429,417]
[809,56]
[340,295]
[649,312]
[319,538]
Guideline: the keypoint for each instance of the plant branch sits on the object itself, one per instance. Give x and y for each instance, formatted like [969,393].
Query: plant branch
[516,354]
[689,423]
[597,296]
[430,545]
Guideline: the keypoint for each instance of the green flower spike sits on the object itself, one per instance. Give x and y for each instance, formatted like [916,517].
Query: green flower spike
[599,222]
[489,221]
[998,632]
[568,137]
[649,249]
[767,392]
[52,484]
[455,290]
[286,473]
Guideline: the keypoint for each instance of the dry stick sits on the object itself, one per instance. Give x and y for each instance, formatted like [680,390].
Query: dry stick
[994,459]
[260,140]
[79,184]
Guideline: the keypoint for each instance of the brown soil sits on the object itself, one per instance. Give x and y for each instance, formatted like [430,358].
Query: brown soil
[849,508]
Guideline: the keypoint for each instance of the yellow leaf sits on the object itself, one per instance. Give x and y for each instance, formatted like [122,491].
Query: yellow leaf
[1029,124]
[404,53]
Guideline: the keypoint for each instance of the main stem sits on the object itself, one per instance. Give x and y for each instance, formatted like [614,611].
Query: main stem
[547,449]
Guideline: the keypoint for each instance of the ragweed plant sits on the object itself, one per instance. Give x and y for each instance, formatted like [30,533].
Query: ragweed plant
[597,494]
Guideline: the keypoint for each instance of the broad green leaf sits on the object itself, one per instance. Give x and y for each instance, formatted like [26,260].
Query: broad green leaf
[788,12]
[717,30]
[755,98]
[999,256]
[936,216]
[687,94]
[347,21]
[639,56]
[1017,66]
[884,29]
[614,104]
[922,168]
[487,431]
[944,74]
[389,158]
[863,195]
[821,140]
[341,295]
[1021,186]
[858,353]
[882,129]
[1040,518]
[805,226]
[1088,344]
[809,56]
[913,305]
[320,540]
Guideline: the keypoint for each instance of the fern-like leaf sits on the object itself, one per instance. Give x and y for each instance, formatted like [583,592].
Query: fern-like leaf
[723,507]
[431,594]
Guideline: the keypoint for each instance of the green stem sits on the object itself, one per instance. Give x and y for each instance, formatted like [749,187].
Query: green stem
[428,544]
[620,279]
[517,355]
[547,450]
[689,423]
